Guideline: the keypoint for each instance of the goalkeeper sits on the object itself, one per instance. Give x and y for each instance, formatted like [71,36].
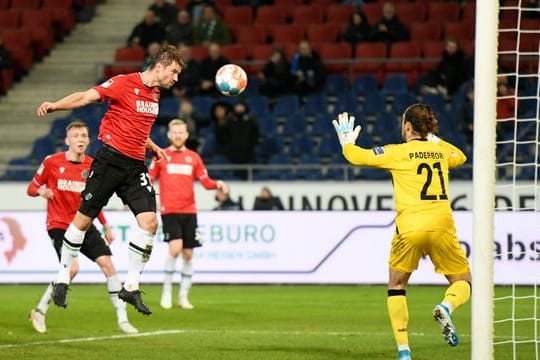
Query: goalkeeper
[424,223]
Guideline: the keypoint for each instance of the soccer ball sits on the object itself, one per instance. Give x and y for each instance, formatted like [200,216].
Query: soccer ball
[231,80]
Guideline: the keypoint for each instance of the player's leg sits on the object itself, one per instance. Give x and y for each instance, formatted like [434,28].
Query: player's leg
[191,241]
[449,259]
[175,247]
[38,314]
[405,254]
[96,249]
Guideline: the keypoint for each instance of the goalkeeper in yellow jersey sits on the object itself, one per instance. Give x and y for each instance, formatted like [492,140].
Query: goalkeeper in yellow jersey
[424,223]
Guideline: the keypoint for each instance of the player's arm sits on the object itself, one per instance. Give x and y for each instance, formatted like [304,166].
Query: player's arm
[109,236]
[206,181]
[153,171]
[70,102]
[36,187]
[158,152]
[456,157]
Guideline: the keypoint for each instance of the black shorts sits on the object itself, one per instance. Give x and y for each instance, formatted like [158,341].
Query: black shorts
[92,247]
[113,172]
[181,226]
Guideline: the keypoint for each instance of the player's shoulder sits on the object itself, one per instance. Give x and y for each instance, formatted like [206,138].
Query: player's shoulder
[54,158]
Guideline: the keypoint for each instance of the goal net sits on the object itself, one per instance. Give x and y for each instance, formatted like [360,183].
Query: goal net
[516,303]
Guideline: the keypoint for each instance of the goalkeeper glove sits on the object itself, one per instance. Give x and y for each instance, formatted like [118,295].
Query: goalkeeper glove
[345,129]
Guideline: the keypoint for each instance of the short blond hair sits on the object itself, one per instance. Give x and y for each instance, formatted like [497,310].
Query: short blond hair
[77,124]
[174,122]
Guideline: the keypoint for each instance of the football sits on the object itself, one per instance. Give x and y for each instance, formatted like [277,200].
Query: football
[231,80]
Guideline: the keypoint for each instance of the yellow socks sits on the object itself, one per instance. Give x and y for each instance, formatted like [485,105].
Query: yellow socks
[399,317]
[457,294]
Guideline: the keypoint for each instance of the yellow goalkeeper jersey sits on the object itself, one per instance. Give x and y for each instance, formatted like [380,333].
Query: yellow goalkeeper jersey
[419,170]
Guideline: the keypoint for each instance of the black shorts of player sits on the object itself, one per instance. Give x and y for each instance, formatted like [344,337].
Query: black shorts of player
[113,172]
[181,226]
[93,245]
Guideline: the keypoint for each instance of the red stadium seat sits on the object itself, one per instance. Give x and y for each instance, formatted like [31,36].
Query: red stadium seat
[6,80]
[238,15]
[249,34]
[467,46]
[425,31]
[199,52]
[373,12]
[370,53]
[469,11]
[408,55]
[411,12]
[288,2]
[287,33]
[132,59]
[63,15]
[431,50]
[443,11]
[25,4]
[10,19]
[23,58]
[66,4]
[308,14]
[323,33]
[325,2]
[234,52]
[463,30]
[271,15]
[336,51]
[17,38]
[181,4]
[260,54]
[40,23]
[339,14]
[4,4]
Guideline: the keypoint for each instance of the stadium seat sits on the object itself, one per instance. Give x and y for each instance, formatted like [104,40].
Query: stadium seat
[384,121]
[23,59]
[307,14]
[208,147]
[365,84]
[199,52]
[462,30]
[249,34]
[4,4]
[268,125]
[258,105]
[129,59]
[340,53]
[339,168]
[316,103]
[425,31]
[323,33]
[202,105]
[373,103]
[395,84]
[279,173]
[158,135]
[25,4]
[21,169]
[301,144]
[42,147]
[436,102]
[234,52]
[289,2]
[336,84]
[10,19]
[271,15]
[368,173]
[468,11]
[238,15]
[287,33]
[294,124]
[373,11]
[402,101]
[370,53]
[411,12]
[443,11]
[431,53]
[309,173]
[407,55]
[339,14]
[168,107]
[321,125]
[346,102]
[270,145]
[286,105]
[6,80]
[67,4]
[329,145]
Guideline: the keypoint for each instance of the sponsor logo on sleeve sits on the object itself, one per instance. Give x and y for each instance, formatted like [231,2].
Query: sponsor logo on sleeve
[379,150]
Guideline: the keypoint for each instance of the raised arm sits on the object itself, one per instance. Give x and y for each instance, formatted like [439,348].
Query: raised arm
[70,102]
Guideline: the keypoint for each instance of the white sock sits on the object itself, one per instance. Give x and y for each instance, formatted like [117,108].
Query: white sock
[114,286]
[73,239]
[45,300]
[140,249]
[169,273]
[187,274]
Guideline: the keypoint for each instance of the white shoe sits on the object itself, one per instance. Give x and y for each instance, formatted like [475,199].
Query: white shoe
[127,328]
[37,318]
[185,304]
[166,301]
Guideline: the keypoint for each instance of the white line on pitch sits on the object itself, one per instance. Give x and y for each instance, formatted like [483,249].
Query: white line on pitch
[194,331]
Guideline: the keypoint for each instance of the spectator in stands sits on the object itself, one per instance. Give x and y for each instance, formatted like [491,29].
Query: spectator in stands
[451,72]
[209,67]
[238,133]
[194,122]
[308,69]
[276,77]
[465,114]
[189,81]
[6,60]
[226,203]
[219,115]
[195,9]
[267,201]
[147,31]
[358,29]
[181,30]
[506,106]
[211,29]
[165,12]
[389,28]
[151,50]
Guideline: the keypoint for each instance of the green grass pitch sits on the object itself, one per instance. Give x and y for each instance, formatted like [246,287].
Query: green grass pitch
[238,322]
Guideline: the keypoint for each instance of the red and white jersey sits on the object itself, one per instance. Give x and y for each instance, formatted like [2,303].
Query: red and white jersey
[133,108]
[66,179]
[177,175]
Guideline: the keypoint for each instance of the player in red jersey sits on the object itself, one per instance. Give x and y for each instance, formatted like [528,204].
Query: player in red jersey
[60,179]
[119,166]
[177,204]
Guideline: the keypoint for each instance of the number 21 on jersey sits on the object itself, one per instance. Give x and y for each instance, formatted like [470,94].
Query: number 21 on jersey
[428,170]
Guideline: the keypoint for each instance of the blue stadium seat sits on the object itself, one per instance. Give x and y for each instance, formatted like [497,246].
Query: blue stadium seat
[436,102]
[294,124]
[258,105]
[301,144]
[391,137]
[280,173]
[309,173]
[341,169]
[168,107]
[286,105]
[88,113]
[94,147]
[402,101]
[253,87]
[58,128]
[328,146]
[221,173]
[316,104]
[346,102]
[21,169]
[374,103]
[395,84]
[158,134]
[202,105]
[365,84]
[42,147]
[322,125]
[386,122]
[268,125]
[369,173]
[269,145]
[208,148]
[336,85]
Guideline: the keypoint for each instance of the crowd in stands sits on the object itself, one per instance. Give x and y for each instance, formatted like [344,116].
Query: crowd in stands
[310,59]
